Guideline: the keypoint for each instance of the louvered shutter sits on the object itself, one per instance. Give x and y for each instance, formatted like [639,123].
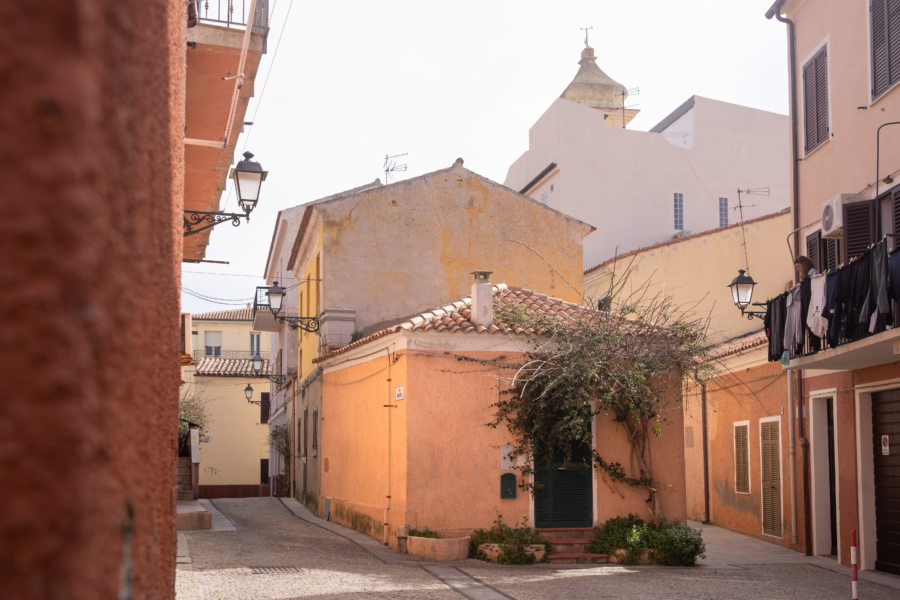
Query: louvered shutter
[885,22]
[832,254]
[895,209]
[859,227]
[264,406]
[813,246]
[815,100]
[741,460]
[771,478]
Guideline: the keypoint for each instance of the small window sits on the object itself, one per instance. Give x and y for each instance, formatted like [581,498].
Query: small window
[254,344]
[885,39]
[723,212]
[815,100]
[679,211]
[545,198]
[212,342]
[742,458]
[264,408]
[315,432]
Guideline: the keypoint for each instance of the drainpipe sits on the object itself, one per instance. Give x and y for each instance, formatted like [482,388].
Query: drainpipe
[707,518]
[804,445]
[790,392]
[387,503]
[775,11]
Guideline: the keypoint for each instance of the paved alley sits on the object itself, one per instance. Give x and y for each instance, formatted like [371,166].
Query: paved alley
[266,548]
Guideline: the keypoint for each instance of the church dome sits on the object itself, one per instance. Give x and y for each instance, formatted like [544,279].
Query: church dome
[592,87]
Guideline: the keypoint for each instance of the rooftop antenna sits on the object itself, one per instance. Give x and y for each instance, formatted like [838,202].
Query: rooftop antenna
[390,166]
[760,191]
[585,30]
[625,93]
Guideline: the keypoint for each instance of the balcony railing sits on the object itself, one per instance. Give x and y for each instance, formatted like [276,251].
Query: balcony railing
[852,310]
[201,353]
[233,14]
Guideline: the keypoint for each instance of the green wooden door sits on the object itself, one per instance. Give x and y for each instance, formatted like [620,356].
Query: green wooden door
[563,495]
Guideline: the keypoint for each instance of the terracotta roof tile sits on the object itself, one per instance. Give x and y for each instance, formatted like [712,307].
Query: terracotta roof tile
[229,367]
[738,345]
[455,317]
[235,314]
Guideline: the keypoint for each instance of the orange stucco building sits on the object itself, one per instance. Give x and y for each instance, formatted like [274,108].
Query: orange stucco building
[404,437]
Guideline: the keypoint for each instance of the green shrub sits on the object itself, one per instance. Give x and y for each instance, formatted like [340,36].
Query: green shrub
[512,542]
[425,532]
[628,537]
[678,545]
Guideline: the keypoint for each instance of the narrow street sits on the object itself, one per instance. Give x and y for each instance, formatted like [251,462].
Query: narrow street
[266,548]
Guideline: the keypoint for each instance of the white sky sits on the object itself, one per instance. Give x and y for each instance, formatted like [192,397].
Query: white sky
[354,80]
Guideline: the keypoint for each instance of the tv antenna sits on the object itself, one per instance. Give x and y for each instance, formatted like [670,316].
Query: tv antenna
[390,166]
[624,94]
[585,30]
[760,191]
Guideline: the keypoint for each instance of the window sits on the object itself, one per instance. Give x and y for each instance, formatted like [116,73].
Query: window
[742,457]
[723,212]
[264,407]
[824,253]
[254,344]
[212,342]
[315,432]
[885,21]
[679,211]
[815,100]
[545,198]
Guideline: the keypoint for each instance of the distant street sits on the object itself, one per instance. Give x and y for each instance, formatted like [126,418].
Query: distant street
[263,548]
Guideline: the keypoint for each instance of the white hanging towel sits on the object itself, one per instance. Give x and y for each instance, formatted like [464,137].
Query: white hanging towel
[815,320]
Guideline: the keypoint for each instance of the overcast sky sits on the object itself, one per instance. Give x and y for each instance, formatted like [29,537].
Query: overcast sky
[346,82]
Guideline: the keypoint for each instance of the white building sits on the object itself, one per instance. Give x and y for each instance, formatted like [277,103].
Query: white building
[642,187]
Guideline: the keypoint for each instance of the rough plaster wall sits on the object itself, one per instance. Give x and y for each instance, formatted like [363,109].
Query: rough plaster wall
[411,246]
[92,166]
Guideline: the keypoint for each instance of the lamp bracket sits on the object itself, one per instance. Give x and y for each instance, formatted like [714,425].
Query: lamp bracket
[193,219]
[276,379]
[310,324]
[759,314]
[256,402]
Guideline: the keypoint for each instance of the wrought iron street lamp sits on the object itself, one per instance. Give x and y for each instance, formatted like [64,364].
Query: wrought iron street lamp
[257,364]
[248,176]
[248,393]
[276,295]
[742,294]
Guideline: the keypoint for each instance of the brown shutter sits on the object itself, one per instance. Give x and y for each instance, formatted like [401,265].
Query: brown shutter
[815,100]
[264,408]
[813,245]
[895,207]
[771,478]
[741,460]
[831,254]
[880,74]
[859,227]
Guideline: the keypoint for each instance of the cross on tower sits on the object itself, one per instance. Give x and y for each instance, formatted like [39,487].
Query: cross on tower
[585,30]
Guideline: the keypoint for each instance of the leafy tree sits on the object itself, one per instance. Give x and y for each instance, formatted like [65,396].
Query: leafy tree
[618,360]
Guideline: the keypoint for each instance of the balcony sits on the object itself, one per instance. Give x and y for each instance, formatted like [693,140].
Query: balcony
[222,62]
[200,354]
[859,335]
[263,319]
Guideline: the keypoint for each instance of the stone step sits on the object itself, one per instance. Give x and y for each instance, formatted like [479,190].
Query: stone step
[578,558]
[566,534]
[570,546]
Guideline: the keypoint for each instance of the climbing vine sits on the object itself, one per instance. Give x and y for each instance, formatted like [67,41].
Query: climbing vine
[620,362]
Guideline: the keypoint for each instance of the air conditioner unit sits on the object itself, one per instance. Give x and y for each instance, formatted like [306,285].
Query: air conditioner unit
[833,216]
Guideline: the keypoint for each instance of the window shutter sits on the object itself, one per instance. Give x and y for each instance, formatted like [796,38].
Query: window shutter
[895,208]
[859,227]
[264,408]
[815,100]
[771,478]
[813,245]
[832,254]
[741,460]
[315,432]
[880,75]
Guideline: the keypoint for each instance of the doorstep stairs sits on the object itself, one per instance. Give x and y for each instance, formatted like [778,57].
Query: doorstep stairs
[569,545]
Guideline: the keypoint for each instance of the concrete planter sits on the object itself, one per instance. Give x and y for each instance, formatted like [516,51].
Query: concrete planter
[493,551]
[438,548]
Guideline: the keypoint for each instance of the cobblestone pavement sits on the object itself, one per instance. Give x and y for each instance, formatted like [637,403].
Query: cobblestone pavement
[278,550]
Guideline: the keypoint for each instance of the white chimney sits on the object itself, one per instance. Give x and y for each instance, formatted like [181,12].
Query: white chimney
[482,299]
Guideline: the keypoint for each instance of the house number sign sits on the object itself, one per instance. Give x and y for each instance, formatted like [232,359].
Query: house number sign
[885,445]
[398,393]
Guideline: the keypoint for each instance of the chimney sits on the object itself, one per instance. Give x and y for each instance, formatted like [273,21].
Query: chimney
[482,299]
